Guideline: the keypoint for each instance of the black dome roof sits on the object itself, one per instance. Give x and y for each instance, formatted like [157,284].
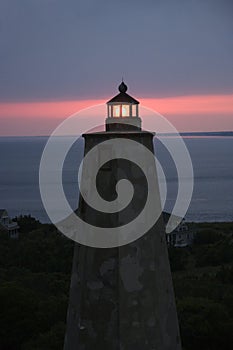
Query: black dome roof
[123,96]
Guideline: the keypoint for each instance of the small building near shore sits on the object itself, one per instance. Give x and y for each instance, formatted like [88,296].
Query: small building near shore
[182,236]
[6,224]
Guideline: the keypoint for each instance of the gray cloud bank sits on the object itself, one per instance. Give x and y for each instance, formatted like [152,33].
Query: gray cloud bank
[70,49]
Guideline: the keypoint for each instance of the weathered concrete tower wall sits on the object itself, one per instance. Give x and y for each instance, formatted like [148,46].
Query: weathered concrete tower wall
[122,298]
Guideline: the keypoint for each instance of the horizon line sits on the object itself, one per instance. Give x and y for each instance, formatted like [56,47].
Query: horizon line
[182,133]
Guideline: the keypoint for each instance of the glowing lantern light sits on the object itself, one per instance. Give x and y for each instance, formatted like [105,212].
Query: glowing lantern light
[125,108]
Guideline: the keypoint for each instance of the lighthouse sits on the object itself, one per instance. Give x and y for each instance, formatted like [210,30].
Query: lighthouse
[121,295]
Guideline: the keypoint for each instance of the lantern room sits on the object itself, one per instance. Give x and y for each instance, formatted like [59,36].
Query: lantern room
[123,113]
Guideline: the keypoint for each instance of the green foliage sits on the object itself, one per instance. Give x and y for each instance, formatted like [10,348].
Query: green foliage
[51,340]
[225,274]
[203,282]
[207,236]
[35,278]
[215,254]
[205,324]
[17,308]
[27,223]
[43,249]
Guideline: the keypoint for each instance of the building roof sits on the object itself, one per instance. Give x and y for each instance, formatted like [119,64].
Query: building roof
[123,96]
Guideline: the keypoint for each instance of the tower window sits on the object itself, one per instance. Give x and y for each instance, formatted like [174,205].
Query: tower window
[116,111]
[125,110]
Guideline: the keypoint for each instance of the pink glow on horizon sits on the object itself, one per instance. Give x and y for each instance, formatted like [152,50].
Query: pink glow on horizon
[50,109]
[203,104]
[188,113]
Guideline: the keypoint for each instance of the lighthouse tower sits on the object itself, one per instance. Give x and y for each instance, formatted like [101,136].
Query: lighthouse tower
[122,298]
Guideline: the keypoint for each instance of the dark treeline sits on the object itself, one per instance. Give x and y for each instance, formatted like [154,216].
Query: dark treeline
[35,277]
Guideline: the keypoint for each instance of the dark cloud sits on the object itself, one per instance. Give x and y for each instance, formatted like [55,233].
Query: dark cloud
[80,49]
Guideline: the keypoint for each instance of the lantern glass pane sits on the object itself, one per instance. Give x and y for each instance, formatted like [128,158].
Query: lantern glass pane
[116,111]
[125,110]
[109,111]
[134,111]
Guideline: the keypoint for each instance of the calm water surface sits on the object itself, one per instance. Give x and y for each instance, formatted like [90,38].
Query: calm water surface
[212,159]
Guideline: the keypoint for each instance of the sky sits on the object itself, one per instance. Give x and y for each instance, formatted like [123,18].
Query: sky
[59,56]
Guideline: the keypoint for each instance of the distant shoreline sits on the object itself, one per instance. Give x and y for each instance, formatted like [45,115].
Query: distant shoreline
[202,134]
[209,133]
[188,133]
[46,221]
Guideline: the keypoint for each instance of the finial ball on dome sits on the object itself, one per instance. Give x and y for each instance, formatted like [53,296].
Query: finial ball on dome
[123,87]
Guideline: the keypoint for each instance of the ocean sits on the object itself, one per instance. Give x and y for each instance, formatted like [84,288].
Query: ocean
[212,159]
